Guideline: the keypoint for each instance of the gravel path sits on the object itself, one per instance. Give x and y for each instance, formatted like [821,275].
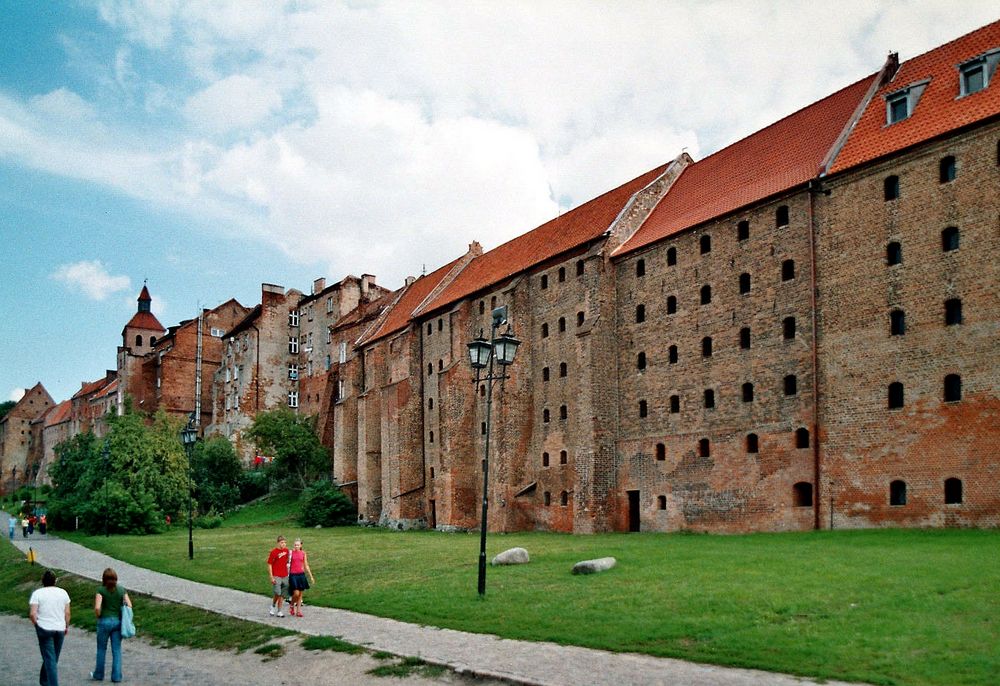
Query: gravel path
[522,662]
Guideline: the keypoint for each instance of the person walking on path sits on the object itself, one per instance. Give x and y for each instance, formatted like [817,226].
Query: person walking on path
[12,524]
[24,527]
[42,525]
[297,576]
[108,608]
[49,612]
[277,565]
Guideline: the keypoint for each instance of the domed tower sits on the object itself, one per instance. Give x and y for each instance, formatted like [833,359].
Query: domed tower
[138,338]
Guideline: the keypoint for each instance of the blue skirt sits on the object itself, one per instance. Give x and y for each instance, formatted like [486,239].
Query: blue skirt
[297,582]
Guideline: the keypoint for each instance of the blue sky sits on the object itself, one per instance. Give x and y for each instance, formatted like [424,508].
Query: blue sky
[208,147]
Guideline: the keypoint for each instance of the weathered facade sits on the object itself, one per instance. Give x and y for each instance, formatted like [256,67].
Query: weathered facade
[17,444]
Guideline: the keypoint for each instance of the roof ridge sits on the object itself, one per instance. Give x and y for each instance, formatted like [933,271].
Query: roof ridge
[475,250]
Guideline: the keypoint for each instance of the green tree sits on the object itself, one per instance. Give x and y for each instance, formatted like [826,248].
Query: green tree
[217,475]
[326,505]
[74,474]
[299,457]
[5,407]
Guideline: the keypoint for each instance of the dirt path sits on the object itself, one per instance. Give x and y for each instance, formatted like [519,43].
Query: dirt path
[145,665]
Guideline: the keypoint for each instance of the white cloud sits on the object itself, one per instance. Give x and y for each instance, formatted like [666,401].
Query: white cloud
[16,394]
[236,102]
[92,278]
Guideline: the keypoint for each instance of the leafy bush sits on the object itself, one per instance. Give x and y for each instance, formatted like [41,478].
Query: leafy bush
[208,521]
[253,484]
[324,504]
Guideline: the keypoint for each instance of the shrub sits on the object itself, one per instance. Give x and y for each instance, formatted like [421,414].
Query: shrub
[253,484]
[324,504]
[208,521]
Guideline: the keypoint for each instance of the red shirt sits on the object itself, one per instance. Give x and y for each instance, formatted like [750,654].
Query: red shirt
[278,559]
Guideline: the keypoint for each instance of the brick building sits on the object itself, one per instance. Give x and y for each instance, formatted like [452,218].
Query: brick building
[17,443]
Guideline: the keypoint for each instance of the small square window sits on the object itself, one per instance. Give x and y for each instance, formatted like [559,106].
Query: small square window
[973,78]
[898,108]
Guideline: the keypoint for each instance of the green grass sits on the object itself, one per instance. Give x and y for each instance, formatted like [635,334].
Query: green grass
[408,666]
[160,622]
[916,607]
[333,643]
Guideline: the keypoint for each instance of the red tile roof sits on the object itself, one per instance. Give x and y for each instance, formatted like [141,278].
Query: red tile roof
[775,159]
[146,321]
[939,109]
[91,387]
[144,294]
[399,314]
[570,230]
[59,413]
[108,390]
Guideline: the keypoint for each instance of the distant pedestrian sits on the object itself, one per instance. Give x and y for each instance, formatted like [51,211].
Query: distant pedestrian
[12,524]
[108,608]
[297,576]
[277,566]
[42,525]
[49,612]
[31,523]
[24,527]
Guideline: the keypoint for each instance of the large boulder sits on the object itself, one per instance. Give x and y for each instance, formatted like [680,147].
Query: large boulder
[601,564]
[513,556]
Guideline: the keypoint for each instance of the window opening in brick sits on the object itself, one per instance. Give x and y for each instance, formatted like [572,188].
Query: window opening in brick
[440,365]
[802,494]
[562,274]
[706,346]
[564,498]
[431,436]
[562,412]
[802,437]
[640,360]
[545,330]
[545,373]
[896,396]
[482,307]
[562,324]
[788,328]
[545,459]
[430,368]
[138,340]
[753,443]
[671,257]
[744,283]
[482,390]
[952,311]
[563,457]
[709,399]
[949,239]
[788,270]
[946,169]
[430,403]
[953,491]
[482,428]
[745,338]
[579,318]
[643,408]
[440,325]
[675,404]
[891,187]
[791,385]
[661,452]
[952,388]
[748,392]
[743,230]
[672,354]
[562,369]
[705,244]
[547,498]
[897,493]
[894,253]
[545,416]
[781,216]
[432,474]
[579,267]
[640,314]
[897,323]
[640,267]
[704,448]
[661,502]
[706,294]
[493,303]
[671,304]
[544,281]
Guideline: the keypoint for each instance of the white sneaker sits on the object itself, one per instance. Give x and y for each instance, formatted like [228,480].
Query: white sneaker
[281,614]
[271,612]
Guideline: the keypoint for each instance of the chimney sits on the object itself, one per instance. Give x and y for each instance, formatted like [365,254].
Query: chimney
[271,293]
[367,281]
[409,280]
[318,285]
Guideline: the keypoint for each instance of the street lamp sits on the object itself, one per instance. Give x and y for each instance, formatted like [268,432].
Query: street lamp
[189,434]
[105,456]
[483,355]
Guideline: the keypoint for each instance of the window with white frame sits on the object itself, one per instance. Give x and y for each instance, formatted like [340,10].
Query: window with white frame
[293,318]
[218,333]
[293,398]
[228,375]
[327,362]
[309,368]
[236,372]
[293,371]
[236,401]
[341,390]
[329,304]
[293,345]
[343,352]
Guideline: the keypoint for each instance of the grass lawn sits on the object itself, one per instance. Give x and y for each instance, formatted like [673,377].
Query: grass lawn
[886,607]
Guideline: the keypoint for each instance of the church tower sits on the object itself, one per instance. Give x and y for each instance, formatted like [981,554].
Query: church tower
[138,338]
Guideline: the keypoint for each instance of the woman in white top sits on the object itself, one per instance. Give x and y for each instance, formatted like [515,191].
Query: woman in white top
[49,613]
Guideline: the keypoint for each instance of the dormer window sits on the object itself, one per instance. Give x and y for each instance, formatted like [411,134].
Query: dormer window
[976,74]
[901,104]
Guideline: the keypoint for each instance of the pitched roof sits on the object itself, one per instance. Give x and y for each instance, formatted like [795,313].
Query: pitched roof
[144,294]
[245,323]
[58,414]
[108,390]
[144,320]
[407,299]
[939,109]
[91,387]
[777,158]
[570,230]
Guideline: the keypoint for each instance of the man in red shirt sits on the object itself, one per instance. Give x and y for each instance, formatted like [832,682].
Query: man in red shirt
[277,567]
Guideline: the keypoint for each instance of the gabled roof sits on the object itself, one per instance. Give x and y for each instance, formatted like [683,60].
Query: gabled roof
[570,230]
[108,390]
[407,299]
[245,323]
[89,388]
[780,157]
[939,109]
[58,414]
[366,310]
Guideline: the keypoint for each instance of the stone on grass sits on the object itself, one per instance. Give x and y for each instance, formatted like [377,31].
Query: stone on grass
[601,564]
[513,556]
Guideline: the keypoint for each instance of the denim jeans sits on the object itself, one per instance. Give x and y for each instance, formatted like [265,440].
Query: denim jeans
[49,645]
[109,628]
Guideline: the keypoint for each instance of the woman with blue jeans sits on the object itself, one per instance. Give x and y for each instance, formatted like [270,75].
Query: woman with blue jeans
[108,608]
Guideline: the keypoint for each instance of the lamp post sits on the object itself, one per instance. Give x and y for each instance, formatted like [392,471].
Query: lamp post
[493,356]
[189,434]
[105,457]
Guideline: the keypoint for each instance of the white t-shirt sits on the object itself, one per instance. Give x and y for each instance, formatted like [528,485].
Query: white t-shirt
[51,602]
